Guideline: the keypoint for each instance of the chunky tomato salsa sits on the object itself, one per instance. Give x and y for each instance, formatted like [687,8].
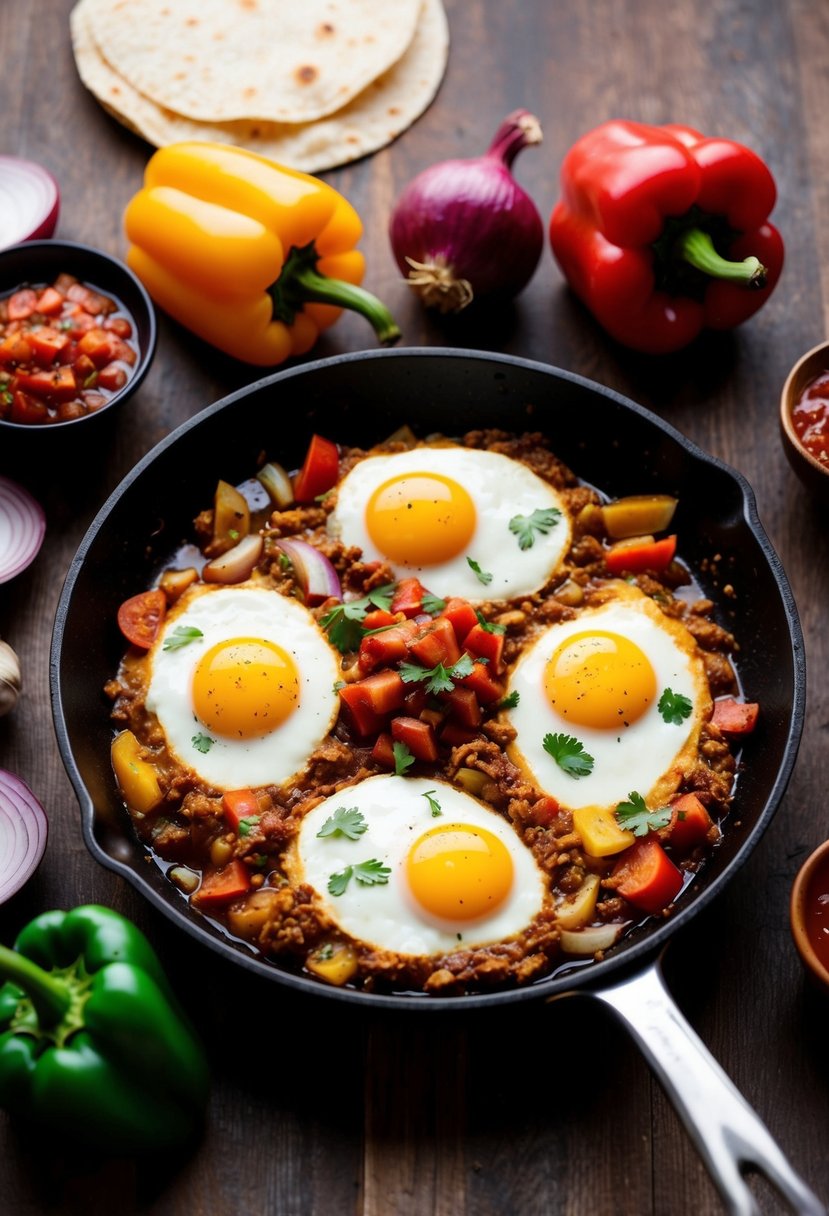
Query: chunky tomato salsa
[65,350]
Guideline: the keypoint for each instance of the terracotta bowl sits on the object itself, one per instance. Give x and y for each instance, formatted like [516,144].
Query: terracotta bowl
[812,875]
[813,474]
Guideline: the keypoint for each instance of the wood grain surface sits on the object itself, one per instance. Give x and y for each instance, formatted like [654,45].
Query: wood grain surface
[531,1109]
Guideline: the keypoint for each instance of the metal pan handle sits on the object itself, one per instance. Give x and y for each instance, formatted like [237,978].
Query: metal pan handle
[729,1135]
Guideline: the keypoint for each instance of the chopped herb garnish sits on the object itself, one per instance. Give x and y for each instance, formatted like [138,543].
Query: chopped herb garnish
[247,824]
[233,533]
[431,604]
[324,953]
[634,815]
[674,707]
[483,576]
[182,635]
[403,758]
[325,494]
[370,873]
[259,860]
[569,755]
[526,526]
[342,623]
[510,700]
[438,678]
[489,626]
[434,805]
[338,684]
[202,743]
[346,821]
[285,562]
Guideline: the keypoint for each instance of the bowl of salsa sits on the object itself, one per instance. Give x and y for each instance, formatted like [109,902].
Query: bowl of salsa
[804,419]
[809,914]
[77,335]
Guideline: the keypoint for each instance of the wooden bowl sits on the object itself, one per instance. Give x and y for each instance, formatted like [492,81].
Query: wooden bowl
[813,474]
[806,890]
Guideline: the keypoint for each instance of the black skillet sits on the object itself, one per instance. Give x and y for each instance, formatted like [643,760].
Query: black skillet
[608,441]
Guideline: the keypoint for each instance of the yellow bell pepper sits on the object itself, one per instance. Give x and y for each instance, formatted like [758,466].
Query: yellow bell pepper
[254,258]
[600,832]
[136,776]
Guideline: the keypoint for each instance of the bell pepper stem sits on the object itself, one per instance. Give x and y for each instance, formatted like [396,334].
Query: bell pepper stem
[301,283]
[50,997]
[696,247]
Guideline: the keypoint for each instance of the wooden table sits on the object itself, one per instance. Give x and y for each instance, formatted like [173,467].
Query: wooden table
[531,1110]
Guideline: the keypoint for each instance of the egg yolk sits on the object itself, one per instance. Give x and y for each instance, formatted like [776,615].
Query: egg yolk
[457,872]
[420,519]
[601,680]
[245,687]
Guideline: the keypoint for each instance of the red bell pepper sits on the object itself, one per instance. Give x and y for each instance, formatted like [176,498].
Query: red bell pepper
[663,232]
[643,554]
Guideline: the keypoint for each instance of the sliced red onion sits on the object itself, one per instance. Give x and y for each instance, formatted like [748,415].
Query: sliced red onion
[589,940]
[314,573]
[277,482]
[23,832]
[29,201]
[22,528]
[237,564]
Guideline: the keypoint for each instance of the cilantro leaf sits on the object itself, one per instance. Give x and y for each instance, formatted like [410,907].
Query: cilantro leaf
[526,526]
[202,743]
[369,873]
[342,622]
[181,636]
[635,816]
[569,755]
[431,604]
[434,805]
[381,597]
[346,821]
[510,700]
[438,678]
[674,707]
[247,824]
[489,626]
[483,576]
[403,758]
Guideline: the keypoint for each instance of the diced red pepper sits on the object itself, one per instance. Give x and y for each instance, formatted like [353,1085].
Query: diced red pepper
[418,737]
[735,717]
[379,618]
[408,597]
[486,644]
[319,471]
[463,706]
[383,751]
[22,304]
[647,878]
[359,715]
[485,688]
[462,615]
[238,805]
[453,734]
[544,810]
[47,343]
[390,646]
[690,823]
[644,554]
[436,643]
[221,886]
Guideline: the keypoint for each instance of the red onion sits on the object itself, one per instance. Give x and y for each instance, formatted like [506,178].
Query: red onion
[29,201]
[22,528]
[314,573]
[465,229]
[23,831]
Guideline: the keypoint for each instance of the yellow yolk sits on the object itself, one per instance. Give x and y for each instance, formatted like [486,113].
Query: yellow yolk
[420,519]
[245,687]
[599,679]
[457,872]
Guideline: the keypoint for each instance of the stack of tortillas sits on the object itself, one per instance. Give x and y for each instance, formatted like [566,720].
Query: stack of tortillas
[309,83]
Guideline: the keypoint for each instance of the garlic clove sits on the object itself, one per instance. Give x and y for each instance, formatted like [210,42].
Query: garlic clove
[10,679]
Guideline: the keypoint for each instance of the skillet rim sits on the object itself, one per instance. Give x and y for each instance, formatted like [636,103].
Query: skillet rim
[635,956]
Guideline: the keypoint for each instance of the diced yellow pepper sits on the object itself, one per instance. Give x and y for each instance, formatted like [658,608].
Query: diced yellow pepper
[600,833]
[637,514]
[472,780]
[136,777]
[577,909]
[334,963]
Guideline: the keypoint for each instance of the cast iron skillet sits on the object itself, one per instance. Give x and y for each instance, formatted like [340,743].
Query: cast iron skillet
[608,441]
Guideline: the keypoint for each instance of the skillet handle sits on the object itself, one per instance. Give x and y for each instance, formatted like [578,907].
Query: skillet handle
[729,1135]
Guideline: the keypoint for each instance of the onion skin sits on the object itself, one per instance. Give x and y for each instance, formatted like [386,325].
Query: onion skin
[465,229]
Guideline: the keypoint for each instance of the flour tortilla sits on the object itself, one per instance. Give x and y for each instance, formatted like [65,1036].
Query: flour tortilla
[280,60]
[375,117]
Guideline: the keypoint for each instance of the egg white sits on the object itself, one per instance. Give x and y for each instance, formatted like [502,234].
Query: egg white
[650,755]
[388,917]
[500,488]
[221,614]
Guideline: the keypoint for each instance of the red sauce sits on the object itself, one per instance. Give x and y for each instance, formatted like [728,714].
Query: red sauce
[65,350]
[810,418]
[817,912]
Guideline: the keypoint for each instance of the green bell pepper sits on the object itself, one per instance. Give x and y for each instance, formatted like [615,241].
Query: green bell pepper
[93,1044]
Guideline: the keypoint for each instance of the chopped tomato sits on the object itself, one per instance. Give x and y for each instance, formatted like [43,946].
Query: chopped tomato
[55,384]
[47,343]
[319,471]
[462,615]
[221,886]
[453,734]
[15,349]
[690,823]
[358,713]
[120,326]
[735,717]
[22,304]
[646,876]
[418,737]
[544,810]
[90,301]
[381,649]
[25,408]
[97,345]
[379,619]
[485,687]
[486,644]
[415,700]
[383,751]
[408,597]
[49,302]
[238,805]
[645,553]
[112,377]
[140,617]
[436,643]
[383,691]
[463,707]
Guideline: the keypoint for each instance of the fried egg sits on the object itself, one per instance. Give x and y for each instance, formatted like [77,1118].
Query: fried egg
[242,683]
[454,872]
[599,680]
[446,515]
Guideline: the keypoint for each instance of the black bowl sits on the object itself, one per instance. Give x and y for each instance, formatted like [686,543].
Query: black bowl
[607,440]
[42,262]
